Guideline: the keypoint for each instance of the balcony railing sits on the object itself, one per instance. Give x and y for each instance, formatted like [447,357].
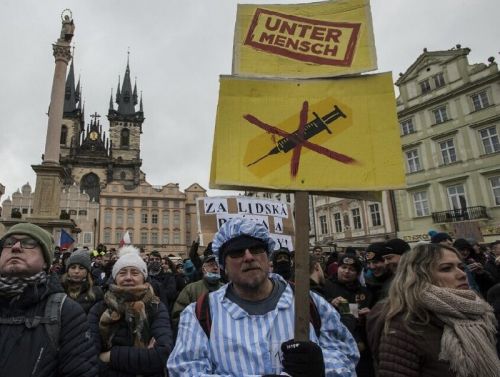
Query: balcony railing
[469,213]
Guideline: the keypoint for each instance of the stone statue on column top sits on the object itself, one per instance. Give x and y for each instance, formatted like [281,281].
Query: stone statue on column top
[67,29]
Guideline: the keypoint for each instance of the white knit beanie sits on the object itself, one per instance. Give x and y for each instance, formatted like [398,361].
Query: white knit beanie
[129,257]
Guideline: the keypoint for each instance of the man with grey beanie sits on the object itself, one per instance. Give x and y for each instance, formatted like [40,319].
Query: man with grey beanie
[33,341]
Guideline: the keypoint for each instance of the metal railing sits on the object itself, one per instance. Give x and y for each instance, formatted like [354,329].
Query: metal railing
[468,213]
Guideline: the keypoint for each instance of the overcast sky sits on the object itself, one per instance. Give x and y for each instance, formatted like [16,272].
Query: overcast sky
[178,49]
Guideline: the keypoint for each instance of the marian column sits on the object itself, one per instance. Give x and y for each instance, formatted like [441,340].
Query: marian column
[49,174]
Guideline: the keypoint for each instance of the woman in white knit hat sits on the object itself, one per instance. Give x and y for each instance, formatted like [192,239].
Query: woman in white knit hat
[77,282]
[131,327]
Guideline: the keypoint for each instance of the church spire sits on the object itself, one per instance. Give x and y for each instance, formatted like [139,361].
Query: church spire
[126,105]
[135,92]
[141,109]
[70,97]
[111,101]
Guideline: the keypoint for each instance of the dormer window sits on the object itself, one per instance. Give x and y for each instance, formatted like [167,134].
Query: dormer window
[439,80]
[425,86]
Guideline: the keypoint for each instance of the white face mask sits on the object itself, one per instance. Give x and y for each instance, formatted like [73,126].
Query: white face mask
[211,277]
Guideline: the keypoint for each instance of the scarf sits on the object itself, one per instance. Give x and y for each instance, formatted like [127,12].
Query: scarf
[14,286]
[128,303]
[75,287]
[468,341]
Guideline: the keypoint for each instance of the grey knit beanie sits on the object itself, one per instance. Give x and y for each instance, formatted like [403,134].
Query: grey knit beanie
[81,257]
[44,238]
[129,257]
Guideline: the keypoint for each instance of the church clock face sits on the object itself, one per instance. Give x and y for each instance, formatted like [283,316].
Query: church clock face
[94,135]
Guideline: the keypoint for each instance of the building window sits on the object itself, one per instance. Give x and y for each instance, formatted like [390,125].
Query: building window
[407,127]
[177,239]
[82,212]
[356,218]
[131,202]
[144,218]
[154,238]
[188,223]
[490,140]
[154,203]
[109,202]
[165,238]
[114,188]
[64,135]
[166,219]
[439,80]
[119,218]
[131,236]
[125,138]
[177,204]
[25,211]
[72,212]
[87,237]
[440,115]
[144,203]
[480,101]
[448,151]
[375,214]
[130,218]
[154,218]
[495,186]
[120,202]
[144,238]
[413,161]
[177,220]
[107,218]
[107,237]
[118,236]
[324,226]
[456,195]
[421,205]
[337,219]
[425,86]
[165,203]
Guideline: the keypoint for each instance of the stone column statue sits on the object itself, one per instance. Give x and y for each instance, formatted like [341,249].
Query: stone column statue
[67,29]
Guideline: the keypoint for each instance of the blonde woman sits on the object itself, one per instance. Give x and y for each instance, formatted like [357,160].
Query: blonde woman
[432,324]
[78,283]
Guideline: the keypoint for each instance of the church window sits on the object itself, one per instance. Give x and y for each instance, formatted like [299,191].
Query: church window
[82,213]
[90,184]
[64,135]
[125,138]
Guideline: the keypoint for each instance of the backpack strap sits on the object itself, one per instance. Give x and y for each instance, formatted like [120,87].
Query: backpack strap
[52,319]
[202,311]
[314,316]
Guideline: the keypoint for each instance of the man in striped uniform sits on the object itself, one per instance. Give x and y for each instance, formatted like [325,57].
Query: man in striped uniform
[252,320]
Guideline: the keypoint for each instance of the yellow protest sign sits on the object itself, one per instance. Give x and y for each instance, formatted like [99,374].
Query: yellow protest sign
[322,39]
[316,135]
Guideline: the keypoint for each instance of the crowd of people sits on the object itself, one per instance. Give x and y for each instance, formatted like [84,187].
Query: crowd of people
[389,310]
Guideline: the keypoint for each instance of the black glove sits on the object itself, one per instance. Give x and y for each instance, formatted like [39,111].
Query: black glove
[303,359]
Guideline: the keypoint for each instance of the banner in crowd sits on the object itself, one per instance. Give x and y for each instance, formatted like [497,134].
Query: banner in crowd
[468,229]
[317,135]
[321,39]
[277,217]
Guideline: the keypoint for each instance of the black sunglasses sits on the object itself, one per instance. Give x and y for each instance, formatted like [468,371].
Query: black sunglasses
[26,243]
[255,250]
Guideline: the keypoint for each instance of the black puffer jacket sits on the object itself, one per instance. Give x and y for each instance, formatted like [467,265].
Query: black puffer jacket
[85,300]
[27,352]
[125,359]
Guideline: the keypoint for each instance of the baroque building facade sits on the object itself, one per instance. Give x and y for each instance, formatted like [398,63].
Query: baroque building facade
[352,222]
[449,114]
[159,218]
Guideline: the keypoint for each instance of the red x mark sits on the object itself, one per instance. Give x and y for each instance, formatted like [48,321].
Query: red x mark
[299,141]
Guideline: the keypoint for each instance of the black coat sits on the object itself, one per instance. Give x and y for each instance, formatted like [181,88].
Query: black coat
[86,301]
[126,360]
[27,352]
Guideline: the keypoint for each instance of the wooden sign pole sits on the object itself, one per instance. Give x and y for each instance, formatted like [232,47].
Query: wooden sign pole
[301,266]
